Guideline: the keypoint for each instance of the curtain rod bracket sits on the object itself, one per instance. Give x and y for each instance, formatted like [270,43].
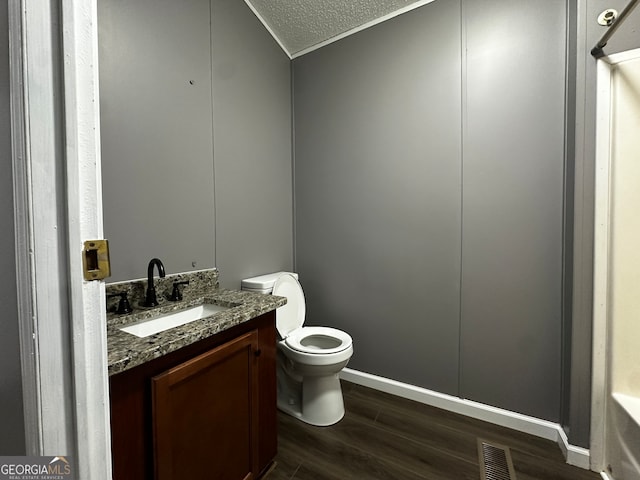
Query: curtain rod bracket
[597,50]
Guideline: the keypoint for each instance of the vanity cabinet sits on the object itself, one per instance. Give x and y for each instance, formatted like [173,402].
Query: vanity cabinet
[207,410]
[205,414]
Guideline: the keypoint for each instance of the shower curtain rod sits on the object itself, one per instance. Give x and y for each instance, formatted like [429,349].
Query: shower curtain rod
[597,50]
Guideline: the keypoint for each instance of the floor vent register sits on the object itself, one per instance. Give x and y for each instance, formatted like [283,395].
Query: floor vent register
[495,462]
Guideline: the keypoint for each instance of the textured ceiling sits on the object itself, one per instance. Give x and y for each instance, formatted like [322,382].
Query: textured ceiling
[299,25]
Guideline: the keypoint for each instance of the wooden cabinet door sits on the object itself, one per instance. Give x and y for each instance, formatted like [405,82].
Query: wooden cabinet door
[205,415]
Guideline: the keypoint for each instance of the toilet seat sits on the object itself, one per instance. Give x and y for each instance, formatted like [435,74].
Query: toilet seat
[290,318]
[318,340]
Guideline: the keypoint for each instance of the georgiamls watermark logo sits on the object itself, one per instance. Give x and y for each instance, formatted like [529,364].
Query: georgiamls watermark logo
[35,468]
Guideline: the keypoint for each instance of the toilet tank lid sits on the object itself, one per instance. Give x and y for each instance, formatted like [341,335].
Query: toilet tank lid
[263,282]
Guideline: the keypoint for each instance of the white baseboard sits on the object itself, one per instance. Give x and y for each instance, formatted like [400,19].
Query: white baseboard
[605,476]
[576,456]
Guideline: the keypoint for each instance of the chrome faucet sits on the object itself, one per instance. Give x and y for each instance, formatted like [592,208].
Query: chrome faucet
[151,300]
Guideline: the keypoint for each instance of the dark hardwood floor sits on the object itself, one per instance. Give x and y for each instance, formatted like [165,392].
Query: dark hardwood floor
[387,437]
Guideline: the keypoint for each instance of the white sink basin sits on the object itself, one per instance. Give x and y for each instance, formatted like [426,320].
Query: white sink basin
[172,320]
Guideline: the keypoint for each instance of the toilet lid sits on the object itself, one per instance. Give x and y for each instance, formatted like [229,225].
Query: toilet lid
[290,316]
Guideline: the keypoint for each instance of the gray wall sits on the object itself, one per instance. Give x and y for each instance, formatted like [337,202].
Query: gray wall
[579,342]
[513,163]
[12,439]
[396,204]
[192,92]
[156,124]
[377,191]
[252,146]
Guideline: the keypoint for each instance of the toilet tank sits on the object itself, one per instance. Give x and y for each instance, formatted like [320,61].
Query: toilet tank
[262,283]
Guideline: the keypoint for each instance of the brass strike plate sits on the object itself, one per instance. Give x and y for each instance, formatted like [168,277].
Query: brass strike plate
[95,260]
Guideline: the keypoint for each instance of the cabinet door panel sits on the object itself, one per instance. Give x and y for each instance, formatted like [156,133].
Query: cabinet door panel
[205,414]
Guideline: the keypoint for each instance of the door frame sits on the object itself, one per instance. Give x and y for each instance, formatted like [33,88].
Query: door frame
[601,341]
[58,206]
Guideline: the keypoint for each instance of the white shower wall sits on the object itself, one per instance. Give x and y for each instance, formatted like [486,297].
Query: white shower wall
[625,229]
[623,424]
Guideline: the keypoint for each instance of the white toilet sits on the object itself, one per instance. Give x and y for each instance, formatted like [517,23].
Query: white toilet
[309,358]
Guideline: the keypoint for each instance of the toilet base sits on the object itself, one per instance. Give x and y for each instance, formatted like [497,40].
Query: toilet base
[317,401]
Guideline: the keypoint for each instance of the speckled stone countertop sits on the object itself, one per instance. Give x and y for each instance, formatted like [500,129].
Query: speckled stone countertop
[126,350]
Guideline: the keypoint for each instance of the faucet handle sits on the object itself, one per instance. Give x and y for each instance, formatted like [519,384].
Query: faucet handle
[176,294]
[123,305]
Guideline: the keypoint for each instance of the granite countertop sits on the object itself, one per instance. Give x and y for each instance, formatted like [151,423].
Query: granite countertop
[126,350]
